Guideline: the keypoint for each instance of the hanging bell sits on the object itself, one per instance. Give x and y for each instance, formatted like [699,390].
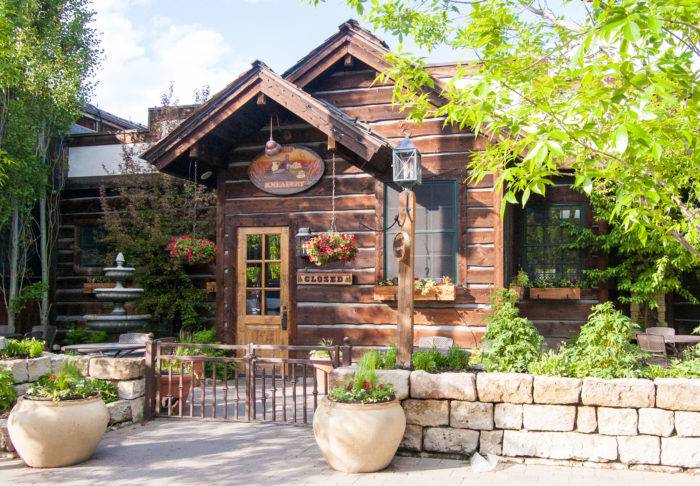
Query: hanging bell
[272,147]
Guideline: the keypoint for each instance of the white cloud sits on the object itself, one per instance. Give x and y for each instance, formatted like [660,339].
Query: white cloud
[142,58]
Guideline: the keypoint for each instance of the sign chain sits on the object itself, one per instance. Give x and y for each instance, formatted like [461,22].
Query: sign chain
[333,192]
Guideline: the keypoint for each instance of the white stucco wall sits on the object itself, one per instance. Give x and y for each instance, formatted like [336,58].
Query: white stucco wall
[100,160]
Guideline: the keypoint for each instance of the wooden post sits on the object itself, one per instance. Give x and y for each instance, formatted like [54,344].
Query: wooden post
[404,317]
[149,403]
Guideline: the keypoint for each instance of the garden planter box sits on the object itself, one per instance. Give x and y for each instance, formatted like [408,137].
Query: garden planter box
[89,288]
[555,293]
[521,291]
[441,293]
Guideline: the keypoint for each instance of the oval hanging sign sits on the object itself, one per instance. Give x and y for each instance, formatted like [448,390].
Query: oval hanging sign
[293,170]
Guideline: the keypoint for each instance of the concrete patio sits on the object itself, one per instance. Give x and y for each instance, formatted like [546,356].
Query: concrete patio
[206,452]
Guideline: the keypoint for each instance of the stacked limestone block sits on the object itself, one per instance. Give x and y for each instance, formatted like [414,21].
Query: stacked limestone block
[126,373]
[625,423]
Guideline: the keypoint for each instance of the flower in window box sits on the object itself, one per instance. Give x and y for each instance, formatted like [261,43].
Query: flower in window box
[192,250]
[331,246]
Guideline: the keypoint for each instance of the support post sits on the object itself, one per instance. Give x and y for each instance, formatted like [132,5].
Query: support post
[149,403]
[404,317]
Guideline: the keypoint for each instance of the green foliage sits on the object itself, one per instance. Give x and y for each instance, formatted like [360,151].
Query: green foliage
[364,387]
[7,391]
[29,293]
[687,367]
[431,360]
[608,90]
[203,336]
[603,349]
[521,279]
[81,335]
[22,348]
[512,341]
[388,358]
[152,209]
[70,384]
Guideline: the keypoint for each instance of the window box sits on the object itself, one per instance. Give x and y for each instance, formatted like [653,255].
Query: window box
[89,287]
[521,291]
[439,293]
[555,293]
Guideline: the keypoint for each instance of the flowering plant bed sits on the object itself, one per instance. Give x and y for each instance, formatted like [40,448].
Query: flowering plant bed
[70,384]
[423,289]
[192,250]
[331,246]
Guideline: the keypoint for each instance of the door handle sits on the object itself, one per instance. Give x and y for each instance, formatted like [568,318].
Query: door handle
[284,318]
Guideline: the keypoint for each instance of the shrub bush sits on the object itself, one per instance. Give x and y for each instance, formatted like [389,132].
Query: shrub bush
[7,391]
[81,335]
[513,342]
[22,348]
[431,360]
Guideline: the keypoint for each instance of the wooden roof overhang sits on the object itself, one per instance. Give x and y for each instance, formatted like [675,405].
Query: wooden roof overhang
[172,153]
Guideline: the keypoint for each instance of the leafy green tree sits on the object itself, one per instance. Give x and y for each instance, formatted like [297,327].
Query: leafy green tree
[605,90]
[47,55]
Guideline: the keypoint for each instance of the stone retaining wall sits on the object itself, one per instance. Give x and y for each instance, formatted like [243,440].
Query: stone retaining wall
[634,423]
[126,373]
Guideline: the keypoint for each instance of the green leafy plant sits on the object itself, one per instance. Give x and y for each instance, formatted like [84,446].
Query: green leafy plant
[30,293]
[431,360]
[364,386]
[521,279]
[81,335]
[203,336]
[513,342]
[70,384]
[551,363]
[7,391]
[22,348]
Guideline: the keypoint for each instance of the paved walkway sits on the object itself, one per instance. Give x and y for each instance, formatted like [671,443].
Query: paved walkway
[186,452]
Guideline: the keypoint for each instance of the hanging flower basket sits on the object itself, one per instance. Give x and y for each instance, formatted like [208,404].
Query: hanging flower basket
[192,250]
[328,247]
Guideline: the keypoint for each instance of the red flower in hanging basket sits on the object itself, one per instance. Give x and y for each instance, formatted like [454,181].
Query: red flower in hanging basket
[331,246]
[192,250]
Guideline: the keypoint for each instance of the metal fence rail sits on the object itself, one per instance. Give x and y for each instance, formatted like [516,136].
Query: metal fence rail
[241,382]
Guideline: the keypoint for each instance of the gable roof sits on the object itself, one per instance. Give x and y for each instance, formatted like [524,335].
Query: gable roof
[351,39]
[261,79]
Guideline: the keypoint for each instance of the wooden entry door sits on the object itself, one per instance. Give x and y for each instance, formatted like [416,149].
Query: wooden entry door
[263,286]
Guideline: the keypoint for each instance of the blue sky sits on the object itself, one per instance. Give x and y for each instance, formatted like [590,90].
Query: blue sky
[148,43]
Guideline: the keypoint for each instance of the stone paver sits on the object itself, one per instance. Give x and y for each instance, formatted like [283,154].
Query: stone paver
[185,452]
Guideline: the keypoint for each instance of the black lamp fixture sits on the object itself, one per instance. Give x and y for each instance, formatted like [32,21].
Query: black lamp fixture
[300,239]
[406,164]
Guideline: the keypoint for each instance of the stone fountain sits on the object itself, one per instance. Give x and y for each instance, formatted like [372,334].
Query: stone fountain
[117,321]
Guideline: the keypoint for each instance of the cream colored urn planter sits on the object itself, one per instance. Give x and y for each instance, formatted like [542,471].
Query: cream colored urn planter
[55,434]
[356,437]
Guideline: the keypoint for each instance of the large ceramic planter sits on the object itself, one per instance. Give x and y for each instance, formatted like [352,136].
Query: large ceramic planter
[356,437]
[55,434]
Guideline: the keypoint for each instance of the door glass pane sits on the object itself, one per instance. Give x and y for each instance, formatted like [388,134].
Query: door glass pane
[253,275]
[254,247]
[252,302]
[272,303]
[272,247]
[272,275]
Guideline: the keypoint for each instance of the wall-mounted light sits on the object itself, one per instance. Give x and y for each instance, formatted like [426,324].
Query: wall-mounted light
[300,239]
[406,164]
[206,175]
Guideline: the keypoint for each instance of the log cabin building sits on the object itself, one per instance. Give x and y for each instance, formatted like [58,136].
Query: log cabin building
[329,108]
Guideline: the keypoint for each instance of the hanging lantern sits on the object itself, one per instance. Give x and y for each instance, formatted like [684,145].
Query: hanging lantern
[272,147]
[300,239]
[406,164]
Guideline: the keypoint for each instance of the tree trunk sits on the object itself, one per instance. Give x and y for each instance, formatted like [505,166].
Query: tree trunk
[14,268]
[44,256]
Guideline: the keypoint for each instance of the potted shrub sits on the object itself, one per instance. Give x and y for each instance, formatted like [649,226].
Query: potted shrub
[426,289]
[359,426]
[555,289]
[520,284]
[331,246]
[60,419]
[321,359]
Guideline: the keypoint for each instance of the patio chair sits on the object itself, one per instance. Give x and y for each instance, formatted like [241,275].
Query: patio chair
[654,345]
[135,338]
[5,331]
[441,343]
[664,331]
[37,332]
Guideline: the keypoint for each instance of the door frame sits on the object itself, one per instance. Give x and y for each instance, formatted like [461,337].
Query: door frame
[244,320]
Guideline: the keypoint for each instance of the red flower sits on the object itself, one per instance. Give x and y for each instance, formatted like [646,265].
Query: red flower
[52,377]
[367,385]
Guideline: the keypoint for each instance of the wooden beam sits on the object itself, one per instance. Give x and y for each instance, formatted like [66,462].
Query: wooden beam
[404,317]
[261,99]
[347,60]
[331,142]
